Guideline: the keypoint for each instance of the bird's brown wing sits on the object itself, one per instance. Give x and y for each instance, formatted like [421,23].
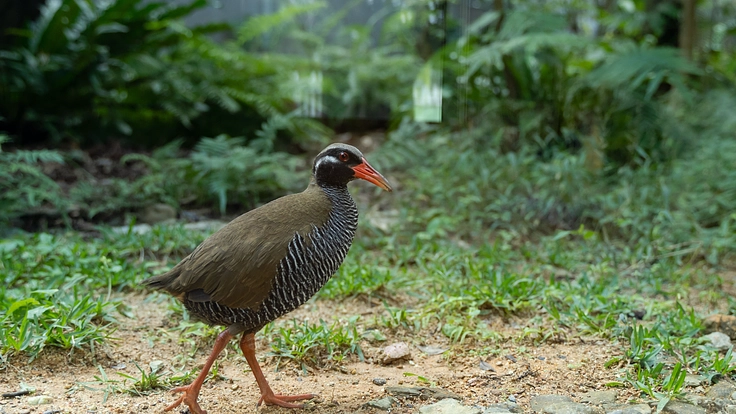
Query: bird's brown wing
[236,266]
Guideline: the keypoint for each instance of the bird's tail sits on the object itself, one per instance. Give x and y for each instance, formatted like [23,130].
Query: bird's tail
[161,281]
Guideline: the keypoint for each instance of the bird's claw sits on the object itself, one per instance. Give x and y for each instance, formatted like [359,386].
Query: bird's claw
[189,397]
[283,400]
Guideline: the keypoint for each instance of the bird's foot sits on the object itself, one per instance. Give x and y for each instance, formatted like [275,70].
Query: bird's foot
[283,400]
[189,397]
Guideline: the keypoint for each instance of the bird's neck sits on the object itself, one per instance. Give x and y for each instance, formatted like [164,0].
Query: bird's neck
[339,196]
[344,211]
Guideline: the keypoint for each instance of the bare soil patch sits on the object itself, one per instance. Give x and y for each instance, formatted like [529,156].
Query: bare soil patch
[519,370]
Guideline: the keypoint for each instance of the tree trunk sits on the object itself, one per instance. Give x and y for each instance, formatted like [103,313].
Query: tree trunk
[688,28]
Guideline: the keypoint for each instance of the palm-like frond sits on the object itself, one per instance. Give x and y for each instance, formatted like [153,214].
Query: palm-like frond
[633,68]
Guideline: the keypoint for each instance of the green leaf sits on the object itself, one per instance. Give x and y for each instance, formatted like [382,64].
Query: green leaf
[20,304]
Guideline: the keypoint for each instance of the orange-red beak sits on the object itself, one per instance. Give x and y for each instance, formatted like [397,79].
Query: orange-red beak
[364,171]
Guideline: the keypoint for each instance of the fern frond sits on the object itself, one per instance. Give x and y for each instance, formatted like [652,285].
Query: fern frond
[220,145]
[258,25]
[33,157]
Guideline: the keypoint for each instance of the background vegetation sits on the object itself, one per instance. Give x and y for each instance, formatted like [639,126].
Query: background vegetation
[592,141]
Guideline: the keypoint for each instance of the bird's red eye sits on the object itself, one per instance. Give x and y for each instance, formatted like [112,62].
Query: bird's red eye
[344,157]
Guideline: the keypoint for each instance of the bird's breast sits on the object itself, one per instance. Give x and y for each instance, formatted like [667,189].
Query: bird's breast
[312,259]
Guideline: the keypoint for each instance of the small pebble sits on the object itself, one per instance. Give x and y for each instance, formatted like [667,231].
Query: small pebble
[40,399]
[718,340]
[512,398]
[395,353]
[379,381]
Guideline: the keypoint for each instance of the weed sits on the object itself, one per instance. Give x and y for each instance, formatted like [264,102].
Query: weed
[421,379]
[101,384]
[306,342]
[147,382]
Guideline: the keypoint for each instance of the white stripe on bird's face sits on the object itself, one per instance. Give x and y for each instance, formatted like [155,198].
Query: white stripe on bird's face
[329,159]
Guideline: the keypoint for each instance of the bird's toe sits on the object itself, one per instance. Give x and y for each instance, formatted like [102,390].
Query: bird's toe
[284,400]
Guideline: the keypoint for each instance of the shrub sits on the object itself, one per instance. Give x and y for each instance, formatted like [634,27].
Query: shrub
[23,184]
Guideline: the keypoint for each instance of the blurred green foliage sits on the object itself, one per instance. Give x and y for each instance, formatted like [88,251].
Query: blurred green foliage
[23,184]
[557,115]
[89,70]
[525,73]
[684,208]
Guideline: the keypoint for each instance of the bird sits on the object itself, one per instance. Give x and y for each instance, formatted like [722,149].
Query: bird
[267,262]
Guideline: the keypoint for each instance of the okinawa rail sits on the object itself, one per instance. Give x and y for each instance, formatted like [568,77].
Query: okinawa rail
[269,261]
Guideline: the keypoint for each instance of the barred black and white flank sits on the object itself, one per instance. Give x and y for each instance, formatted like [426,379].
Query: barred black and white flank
[307,266]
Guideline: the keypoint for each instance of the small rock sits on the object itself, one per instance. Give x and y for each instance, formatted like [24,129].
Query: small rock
[156,366]
[424,393]
[503,408]
[599,397]
[627,409]
[723,389]
[540,401]
[677,407]
[379,381]
[404,391]
[449,406]
[395,352]
[157,213]
[570,408]
[432,350]
[719,340]
[730,409]
[721,323]
[693,380]
[40,399]
[440,394]
[483,365]
[384,404]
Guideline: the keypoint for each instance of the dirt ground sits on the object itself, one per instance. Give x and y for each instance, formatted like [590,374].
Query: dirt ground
[519,371]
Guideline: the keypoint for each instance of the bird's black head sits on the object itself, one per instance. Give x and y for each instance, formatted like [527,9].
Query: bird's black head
[338,164]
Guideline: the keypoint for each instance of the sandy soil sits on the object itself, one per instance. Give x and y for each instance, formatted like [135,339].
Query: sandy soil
[521,370]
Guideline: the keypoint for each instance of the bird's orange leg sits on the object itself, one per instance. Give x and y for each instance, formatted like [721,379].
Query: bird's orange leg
[191,391]
[248,346]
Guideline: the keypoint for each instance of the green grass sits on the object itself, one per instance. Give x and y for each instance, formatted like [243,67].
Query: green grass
[315,343]
[639,277]
[64,291]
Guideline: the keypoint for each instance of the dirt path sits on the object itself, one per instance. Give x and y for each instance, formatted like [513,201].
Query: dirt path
[519,370]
